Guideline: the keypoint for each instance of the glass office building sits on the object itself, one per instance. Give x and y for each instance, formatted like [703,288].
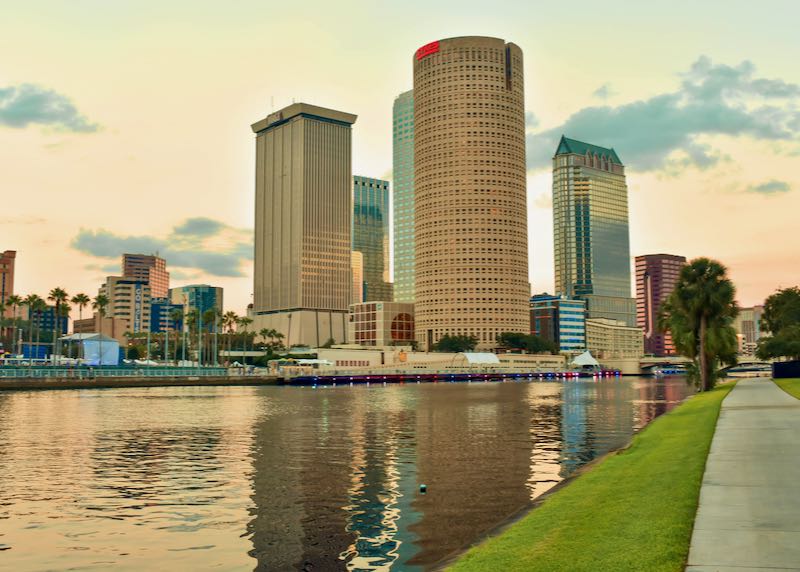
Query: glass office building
[403,194]
[370,236]
[590,228]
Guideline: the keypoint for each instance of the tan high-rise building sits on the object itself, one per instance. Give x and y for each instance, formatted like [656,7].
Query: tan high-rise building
[148,268]
[304,189]
[470,191]
[128,299]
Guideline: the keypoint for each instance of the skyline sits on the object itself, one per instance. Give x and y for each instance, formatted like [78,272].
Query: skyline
[180,171]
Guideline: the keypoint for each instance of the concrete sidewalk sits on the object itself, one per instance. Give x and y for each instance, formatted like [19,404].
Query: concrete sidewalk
[749,513]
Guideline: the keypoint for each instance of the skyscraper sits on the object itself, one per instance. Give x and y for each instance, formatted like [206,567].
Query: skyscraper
[7,261]
[302,223]
[371,236]
[403,195]
[471,229]
[590,229]
[656,277]
[149,268]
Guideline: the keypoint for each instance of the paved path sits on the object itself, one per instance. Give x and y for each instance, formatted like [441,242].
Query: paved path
[749,513]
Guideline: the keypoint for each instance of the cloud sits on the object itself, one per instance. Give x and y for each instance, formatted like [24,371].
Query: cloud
[197,244]
[198,227]
[28,104]
[531,121]
[543,201]
[604,91]
[770,188]
[712,100]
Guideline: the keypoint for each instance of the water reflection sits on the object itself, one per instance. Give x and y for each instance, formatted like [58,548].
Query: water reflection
[293,479]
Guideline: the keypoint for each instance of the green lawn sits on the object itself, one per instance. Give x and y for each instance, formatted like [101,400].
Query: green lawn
[790,386]
[633,511]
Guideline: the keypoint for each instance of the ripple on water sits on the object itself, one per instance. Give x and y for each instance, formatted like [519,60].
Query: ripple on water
[284,478]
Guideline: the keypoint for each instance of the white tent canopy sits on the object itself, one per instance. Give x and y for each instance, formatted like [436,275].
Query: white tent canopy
[93,344]
[585,359]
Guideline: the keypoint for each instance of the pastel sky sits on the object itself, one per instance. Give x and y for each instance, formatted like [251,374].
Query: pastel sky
[124,126]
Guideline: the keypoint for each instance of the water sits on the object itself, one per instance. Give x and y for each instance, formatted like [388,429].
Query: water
[292,478]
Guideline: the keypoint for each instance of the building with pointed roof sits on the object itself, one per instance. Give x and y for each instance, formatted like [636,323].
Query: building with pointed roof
[590,229]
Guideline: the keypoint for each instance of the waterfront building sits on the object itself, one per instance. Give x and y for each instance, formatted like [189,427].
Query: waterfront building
[470,223]
[147,268]
[381,324]
[613,339]
[403,195]
[161,310]
[7,262]
[303,209]
[111,326]
[370,236]
[197,298]
[590,229]
[560,320]
[128,298]
[656,277]
[357,272]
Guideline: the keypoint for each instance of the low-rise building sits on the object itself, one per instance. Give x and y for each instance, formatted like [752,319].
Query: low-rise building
[111,326]
[560,320]
[381,324]
[161,310]
[613,339]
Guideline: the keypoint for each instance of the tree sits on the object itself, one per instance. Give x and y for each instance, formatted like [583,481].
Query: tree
[781,318]
[781,310]
[528,342]
[175,318]
[99,305]
[455,344]
[210,319]
[244,322]
[60,297]
[15,302]
[699,314]
[512,340]
[81,300]
[31,301]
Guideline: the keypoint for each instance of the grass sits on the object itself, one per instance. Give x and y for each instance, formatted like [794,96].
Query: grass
[790,386]
[633,511]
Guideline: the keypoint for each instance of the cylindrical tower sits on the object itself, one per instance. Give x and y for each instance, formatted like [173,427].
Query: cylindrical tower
[470,191]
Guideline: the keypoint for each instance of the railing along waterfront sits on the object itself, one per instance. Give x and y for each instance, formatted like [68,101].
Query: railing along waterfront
[104,372]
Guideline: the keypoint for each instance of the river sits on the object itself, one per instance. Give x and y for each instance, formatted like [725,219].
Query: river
[281,478]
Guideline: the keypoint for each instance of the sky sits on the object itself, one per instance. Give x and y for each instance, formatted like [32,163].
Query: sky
[125,126]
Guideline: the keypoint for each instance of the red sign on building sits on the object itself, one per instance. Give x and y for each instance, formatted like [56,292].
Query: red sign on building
[428,49]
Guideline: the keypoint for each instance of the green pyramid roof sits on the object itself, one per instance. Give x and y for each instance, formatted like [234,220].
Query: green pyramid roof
[572,146]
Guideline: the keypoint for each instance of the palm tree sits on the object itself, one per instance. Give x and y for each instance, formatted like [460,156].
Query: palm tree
[699,314]
[229,321]
[59,296]
[99,305]
[244,322]
[39,306]
[210,319]
[15,302]
[175,316]
[32,302]
[81,300]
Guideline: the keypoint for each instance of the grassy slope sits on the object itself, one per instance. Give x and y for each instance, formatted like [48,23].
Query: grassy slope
[790,386]
[634,511]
